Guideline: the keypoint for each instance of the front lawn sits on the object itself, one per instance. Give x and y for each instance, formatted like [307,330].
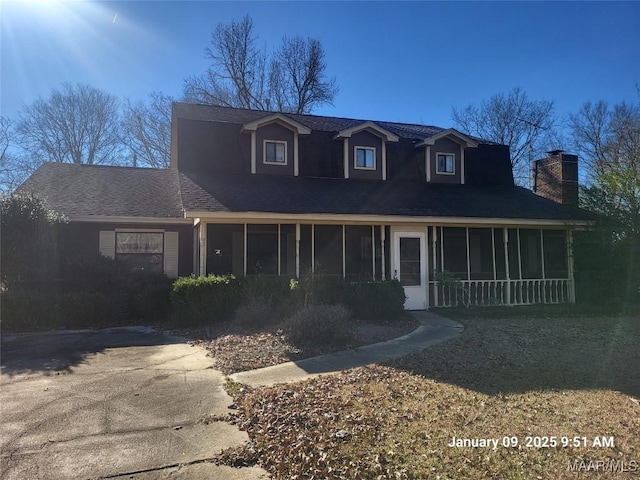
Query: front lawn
[503,379]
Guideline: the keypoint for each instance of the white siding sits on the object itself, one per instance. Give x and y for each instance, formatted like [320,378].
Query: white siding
[171,254]
[107,243]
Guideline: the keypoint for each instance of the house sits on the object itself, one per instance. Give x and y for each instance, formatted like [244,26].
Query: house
[284,194]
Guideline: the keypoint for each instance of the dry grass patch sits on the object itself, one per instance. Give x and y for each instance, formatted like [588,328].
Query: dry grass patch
[523,377]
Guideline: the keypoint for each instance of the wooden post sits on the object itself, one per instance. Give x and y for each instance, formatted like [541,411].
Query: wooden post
[279,250]
[572,285]
[202,233]
[505,242]
[344,251]
[297,250]
[383,272]
[244,259]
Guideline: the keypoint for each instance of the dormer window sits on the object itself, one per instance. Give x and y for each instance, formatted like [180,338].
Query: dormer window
[275,152]
[365,158]
[445,163]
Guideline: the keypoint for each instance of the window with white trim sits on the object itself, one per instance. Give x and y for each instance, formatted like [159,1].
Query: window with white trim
[365,158]
[274,152]
[445,163]
[142,251]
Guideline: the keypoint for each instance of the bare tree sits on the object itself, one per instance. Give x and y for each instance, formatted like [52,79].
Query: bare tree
[76,125]
[10,173]
[608,142]
[297,72]
[515,120]
[241,75]
[146,130]
[6,136]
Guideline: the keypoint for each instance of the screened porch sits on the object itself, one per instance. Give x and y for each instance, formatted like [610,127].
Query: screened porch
[489,265]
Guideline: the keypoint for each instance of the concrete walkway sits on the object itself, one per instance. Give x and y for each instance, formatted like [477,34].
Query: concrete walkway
[433,329]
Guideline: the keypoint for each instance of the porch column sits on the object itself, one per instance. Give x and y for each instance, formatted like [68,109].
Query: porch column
[373,251]
[572,284]
[434,252]
[468,255]
[244,254]
[279,250]
[202,238]
[542,252]
[505,242]
[519,256]
[383,273]
[344,252]
[297,250]
[313,249]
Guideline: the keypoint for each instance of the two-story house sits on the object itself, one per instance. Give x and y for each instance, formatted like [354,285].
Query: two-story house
[283,194]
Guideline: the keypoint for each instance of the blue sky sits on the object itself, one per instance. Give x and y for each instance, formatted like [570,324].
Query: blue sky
[400,61]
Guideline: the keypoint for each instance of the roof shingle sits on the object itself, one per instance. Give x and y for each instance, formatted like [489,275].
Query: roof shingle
[212,113]
[107,191]
[298,195]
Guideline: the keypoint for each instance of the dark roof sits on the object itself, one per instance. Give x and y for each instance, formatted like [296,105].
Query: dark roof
[241,116]
[110,191]
[143,192]
[281,194]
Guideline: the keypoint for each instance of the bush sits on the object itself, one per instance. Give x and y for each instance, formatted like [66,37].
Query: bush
[256,314]
[25,310]
[197,300]
[29,232]
[273,288]
[319,325]
[376,300]
[150,299]
[382,300]
[137,295]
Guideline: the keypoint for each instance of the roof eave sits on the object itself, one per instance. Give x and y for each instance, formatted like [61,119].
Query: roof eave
[276,117]
[382,132]
[461,137]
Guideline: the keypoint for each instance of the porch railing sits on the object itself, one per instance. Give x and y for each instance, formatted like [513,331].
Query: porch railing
[501,292]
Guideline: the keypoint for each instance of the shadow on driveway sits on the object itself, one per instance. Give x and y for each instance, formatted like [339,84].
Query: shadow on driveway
[57,352]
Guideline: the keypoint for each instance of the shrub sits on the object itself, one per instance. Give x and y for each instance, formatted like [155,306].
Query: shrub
[256,314]
[319,325]
[28,239]
[150,299]
[24,310]
[383,300]
[196,300]
[276,290]
[376,300]
[136,295]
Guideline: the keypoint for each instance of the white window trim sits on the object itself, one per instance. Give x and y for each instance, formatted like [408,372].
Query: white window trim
[355,157]
[439,172]
[264,152]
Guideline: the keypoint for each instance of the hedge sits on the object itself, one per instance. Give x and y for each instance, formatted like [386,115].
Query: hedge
[197,300]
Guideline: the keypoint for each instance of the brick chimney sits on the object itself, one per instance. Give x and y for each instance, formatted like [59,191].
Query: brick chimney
[556,177]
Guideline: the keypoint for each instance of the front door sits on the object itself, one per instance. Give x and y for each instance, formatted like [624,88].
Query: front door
[410,267]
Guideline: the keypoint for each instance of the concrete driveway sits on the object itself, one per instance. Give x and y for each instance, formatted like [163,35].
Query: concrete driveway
[109,404]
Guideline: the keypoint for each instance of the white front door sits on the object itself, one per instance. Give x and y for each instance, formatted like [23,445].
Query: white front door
[410,267]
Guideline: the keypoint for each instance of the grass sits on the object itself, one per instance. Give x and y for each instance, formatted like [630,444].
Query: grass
[541,375]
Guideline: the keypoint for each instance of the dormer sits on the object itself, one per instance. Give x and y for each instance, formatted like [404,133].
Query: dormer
[274,144]
[444,156]
[365,150]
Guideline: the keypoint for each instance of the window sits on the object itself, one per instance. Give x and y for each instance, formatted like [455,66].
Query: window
[142,251]
[275,152]
[365,158]
[445,163]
